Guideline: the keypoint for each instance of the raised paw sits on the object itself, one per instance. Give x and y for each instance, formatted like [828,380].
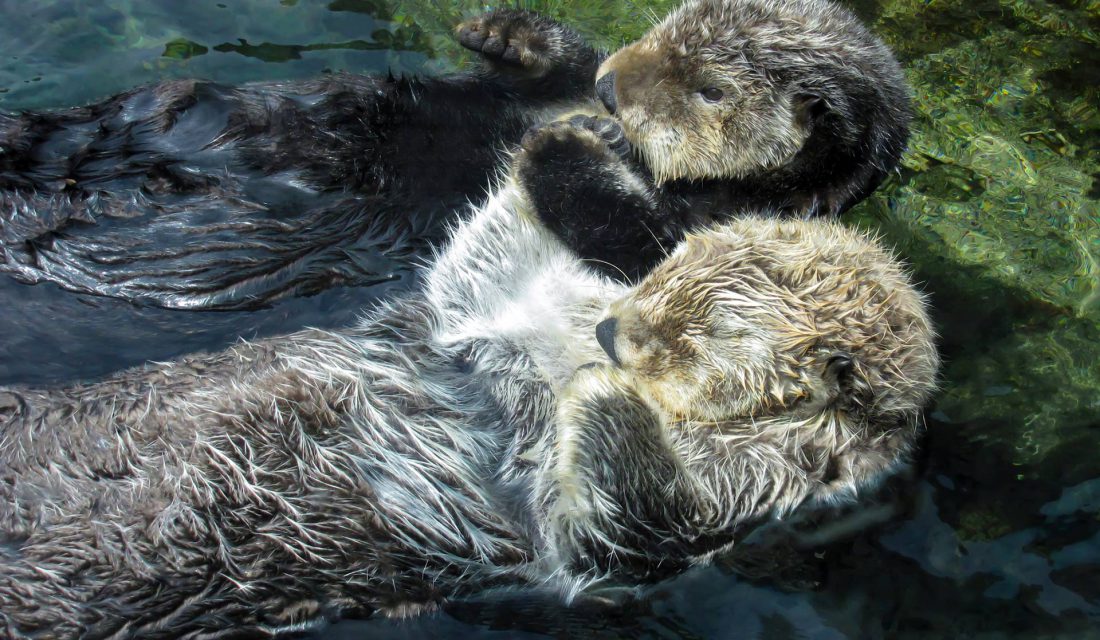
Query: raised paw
[564,142]
[598,203]
[580,138]
[608,130]
[515,39]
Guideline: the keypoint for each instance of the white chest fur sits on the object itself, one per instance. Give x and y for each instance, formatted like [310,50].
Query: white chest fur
[506,280]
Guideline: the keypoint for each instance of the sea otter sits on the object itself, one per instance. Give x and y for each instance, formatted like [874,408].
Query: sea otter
[201,196]
[791,107]
[521,420]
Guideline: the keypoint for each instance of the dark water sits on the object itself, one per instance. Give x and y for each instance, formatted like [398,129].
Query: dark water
[997,208]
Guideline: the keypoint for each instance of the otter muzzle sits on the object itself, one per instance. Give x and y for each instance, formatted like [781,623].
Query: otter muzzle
[605,335]
[605,89]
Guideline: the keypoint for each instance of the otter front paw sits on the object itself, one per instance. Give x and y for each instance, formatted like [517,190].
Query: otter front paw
[591,387]
[606,130]
[517,41]
[610,469]
[584,187]
[578,141]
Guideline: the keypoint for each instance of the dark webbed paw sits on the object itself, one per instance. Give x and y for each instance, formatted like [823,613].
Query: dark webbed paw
[585,188]
[576,180]
[516,40]
[580,139]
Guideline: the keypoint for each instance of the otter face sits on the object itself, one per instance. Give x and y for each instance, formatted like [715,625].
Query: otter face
[763,364]
[693,119]
[762,318]
[729,88]
[695,346]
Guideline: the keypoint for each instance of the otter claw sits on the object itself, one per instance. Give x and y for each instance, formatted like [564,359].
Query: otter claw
[607,129]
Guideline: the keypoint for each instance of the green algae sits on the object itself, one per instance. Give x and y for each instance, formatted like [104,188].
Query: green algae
[997,210]
[981,525]
[182,49]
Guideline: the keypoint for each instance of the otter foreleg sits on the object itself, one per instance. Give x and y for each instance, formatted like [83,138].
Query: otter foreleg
[616,498]
[540,54]
[587,192]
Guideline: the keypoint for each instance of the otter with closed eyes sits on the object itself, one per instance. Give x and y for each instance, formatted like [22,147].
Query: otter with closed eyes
[522,421]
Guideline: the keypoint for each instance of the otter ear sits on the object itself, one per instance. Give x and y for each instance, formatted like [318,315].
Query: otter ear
[838,373]
[810,106]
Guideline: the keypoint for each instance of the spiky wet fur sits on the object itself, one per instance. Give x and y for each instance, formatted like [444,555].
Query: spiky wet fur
[814,113]
[458,439]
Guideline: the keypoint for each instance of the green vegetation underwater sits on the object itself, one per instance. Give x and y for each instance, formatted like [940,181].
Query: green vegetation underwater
[996,209]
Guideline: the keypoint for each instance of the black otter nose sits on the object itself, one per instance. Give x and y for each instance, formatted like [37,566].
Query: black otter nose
[605,89]
[605,335]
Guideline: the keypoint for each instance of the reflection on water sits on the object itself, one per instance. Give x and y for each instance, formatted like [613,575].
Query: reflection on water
[997,207]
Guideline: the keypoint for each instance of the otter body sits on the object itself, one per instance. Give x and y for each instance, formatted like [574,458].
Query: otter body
[192,195]
[476,434]
[200,196]
[196,195]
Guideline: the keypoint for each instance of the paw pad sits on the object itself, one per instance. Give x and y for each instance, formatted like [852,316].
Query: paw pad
[509,37]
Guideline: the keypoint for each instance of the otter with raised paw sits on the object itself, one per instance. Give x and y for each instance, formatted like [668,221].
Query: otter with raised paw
[790,107]
[522,421]
[196,195]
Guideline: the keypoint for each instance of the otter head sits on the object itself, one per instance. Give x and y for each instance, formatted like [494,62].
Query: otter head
[726,89]
[760,319]
[763,365]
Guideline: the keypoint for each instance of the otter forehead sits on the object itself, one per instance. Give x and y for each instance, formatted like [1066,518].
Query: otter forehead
[795,28]
[824,269]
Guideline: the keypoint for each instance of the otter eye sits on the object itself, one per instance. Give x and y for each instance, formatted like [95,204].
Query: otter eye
[712,94]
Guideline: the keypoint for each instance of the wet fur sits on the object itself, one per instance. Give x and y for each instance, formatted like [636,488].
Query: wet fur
[813,114]
[196,195]
[459,438]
